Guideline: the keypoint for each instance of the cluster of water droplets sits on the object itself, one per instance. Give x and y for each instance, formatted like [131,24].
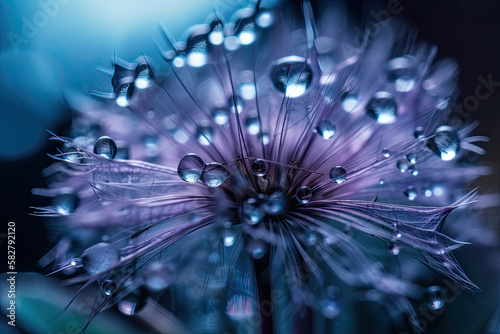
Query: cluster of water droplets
[192,168]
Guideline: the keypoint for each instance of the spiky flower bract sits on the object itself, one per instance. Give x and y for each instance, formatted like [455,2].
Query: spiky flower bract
[266,179]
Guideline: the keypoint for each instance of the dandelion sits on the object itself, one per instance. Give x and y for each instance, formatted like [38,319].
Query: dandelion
[267,179]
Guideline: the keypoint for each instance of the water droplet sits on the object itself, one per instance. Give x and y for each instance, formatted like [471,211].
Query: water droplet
[291,76]
[445,142]
[220,115]
[411,193]
[252,125]
[245,27]
[402,73]
[228,237]
[403,166]
[393,248]
[216,35]
[438,190]
[382,107]
[65,202]
[304,195]
[214,174]
[413,170]
[151,147]
[205,134]
[275,204]
[108,287]
[412,157]
[124,94]
[105,147]
[157,276]
[435,296]
[325,129]
[381,181]
[239,104]
[386,153]
[329,308]
[99,257]
[190,168]
[144,77]
[260,167]
[427,191]
[338,174]
[247,90]
[197,48]
[419,132]
[133,302]
[266,139]
[256,248]
[265,18]
[253,214]
[350,102]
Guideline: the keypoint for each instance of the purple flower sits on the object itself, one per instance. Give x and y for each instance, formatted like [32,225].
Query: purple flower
[267,178]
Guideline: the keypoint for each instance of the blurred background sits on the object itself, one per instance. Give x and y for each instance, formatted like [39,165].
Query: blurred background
[50,47]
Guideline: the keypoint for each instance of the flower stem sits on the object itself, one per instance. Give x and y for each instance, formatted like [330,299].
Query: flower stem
[266,306]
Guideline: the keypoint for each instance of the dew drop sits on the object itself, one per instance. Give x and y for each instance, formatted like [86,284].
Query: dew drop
[190,168]
[402,73]
[419,132]
[252,212]
[265,18]
[434,296]
[427,191]
[99,257]
[325,129]
[411,193]
[382,107]
[266,139]
[412,157]
[338,174]
[144,77]
[205,134]
[245,31]
[403,166]
[247,90]
[239,104]
[445,142]
[260,167]
[214,174]
[108,287]
[65,202]
[228,238]
[105,147]
[275,204]
[252,125]
[393,248]
[291,76]
[133,302]
[220,115]
[124,94]
[386,153]
[256,248]
[197,48]
[329,308]
[304,195]
[381,181]
[157,276]
[216,35]
[350,102]
[413,170]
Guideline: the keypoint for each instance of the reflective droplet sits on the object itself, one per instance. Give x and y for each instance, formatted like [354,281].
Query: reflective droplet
[338,174]
[214,174]
[275,204]
[247,90]
[382,107]
[427,191]
[411,193]
[325,129]
[252,125]
[402,73]
[304,195]
[220,115]
[412,157]
[108,287]
[403,166]
[434,297]
[144,77]
[413,170]
[260,167]
[381,181]
[197,47]
[124,94]
[245,30]
[265,18]
[216,35]
[239,104]
[350,102]
[65,202]
[190,168]
[256,248]
[253,214]
[105,147]
[133,302]
[393,248]
[266,139]
[157,276]
[99,257]
[291,76]
[419,132]
[205,134]
[228,237]
[438,190]
[445,142]
[329,308]
[386,153]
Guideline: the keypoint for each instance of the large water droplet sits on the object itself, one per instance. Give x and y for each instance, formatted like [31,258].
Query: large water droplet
[133,302]
[304,195]
[260,167]
[157,276]
[411,193]
[291,76]
[325,129]
[105,147]
[190,168]
[338,174]
[65,202]
[382,107]
[99,257]
[108,287]
[214,174]
[445,143]
[402,73]
[435,296]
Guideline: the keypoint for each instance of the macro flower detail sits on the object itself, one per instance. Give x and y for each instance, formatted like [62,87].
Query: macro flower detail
[264,179]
